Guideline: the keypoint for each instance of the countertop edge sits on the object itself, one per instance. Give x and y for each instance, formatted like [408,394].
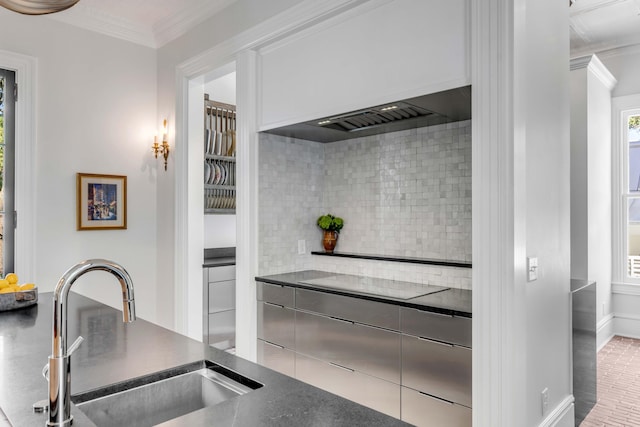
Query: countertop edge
[403,303]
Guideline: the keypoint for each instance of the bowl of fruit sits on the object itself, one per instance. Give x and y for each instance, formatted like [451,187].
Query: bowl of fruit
[14,295]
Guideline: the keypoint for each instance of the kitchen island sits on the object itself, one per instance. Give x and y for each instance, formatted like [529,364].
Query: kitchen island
[113,352]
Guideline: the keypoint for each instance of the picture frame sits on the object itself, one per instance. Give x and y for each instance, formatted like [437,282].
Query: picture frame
[101,201]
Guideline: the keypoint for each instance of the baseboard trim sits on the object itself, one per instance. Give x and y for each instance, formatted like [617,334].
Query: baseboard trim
[605,330]
[561,414]
[627,325]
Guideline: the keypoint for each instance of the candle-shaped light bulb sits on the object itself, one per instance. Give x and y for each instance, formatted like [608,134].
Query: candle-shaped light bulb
[155,145]
[164,131]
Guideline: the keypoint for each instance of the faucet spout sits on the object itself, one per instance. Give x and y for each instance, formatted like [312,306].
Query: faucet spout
[59,362]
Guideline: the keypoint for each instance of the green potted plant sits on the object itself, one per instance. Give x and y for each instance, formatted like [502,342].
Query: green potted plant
[331,226]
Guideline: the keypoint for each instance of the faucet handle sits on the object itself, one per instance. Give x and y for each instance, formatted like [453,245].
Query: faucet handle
[73,347]
[45,371]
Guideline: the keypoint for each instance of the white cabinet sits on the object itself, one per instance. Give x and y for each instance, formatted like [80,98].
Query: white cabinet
[333,68]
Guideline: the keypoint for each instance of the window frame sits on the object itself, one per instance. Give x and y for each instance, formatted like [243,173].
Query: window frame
[623,108]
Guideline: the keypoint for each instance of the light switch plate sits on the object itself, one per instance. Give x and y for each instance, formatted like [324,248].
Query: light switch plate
[532,269]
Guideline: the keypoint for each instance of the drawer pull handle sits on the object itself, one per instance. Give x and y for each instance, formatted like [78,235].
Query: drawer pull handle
[274,345]
[446,344]
[273,305]
[342,320]
[341,367]
[448,402]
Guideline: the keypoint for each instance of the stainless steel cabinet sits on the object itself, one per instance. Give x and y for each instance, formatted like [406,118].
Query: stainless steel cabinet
[366,349]
[439,369]
[426,411]
[275,294]
[369,391]
[219,289]
[436,326]
[407,363]
[277,358]
[348,308]
[276,324]
[436,369]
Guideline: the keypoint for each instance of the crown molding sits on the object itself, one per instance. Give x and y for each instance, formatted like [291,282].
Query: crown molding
[179,24]
[94,19]
[155,36]
[593,64]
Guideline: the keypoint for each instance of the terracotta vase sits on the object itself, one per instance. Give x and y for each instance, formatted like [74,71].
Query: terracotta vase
[329,240]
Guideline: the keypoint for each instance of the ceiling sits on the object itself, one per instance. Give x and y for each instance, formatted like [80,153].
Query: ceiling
[598,25]
[150,23]
[595,25]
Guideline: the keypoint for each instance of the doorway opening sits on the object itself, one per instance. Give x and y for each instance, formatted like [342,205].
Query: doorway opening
[8,91]
[212,161]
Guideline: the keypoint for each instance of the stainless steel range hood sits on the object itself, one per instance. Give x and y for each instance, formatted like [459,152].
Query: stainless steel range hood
[443,107]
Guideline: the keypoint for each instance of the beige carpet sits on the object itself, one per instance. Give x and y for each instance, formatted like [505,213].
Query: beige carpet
[618,385]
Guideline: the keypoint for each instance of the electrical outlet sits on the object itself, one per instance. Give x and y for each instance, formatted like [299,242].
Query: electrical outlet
[603,307]
[301,247]
[544,400]
[532,269]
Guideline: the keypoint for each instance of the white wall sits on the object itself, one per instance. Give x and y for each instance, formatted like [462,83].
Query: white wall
[623,63]
[591,85]
[579,174]
[389,51]
[95,112]
[599,204]
[542,121]
[222,89]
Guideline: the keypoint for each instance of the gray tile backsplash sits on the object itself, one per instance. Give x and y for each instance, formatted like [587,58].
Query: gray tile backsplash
[290,197]
[405,193]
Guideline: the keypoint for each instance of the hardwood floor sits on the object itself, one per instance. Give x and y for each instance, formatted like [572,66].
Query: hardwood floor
[618,402]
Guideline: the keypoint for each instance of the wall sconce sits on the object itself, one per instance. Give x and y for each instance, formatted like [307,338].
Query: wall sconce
[164,148]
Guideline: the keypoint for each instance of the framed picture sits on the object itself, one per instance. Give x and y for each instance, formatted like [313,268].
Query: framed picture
[102,201]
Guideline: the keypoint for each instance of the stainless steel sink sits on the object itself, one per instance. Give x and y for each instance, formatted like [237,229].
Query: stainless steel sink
[162,396]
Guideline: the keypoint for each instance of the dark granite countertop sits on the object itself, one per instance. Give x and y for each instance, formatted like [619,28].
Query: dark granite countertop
[426,297]
[113,352]
[218,257]
[218,262]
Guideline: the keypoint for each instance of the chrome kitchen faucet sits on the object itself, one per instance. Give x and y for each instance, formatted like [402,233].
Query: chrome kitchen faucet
[59,361]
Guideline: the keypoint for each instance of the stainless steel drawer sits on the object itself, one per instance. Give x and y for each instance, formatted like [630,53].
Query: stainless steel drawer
[222,329]
[369,391]
[437,369]
[276,294]
[439,327]
[277,358]
[276,324]
[222,296]
[426,411]
[225,272]
[349,308]
[373,351]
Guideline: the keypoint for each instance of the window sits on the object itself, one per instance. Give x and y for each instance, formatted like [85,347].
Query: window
[632,143]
